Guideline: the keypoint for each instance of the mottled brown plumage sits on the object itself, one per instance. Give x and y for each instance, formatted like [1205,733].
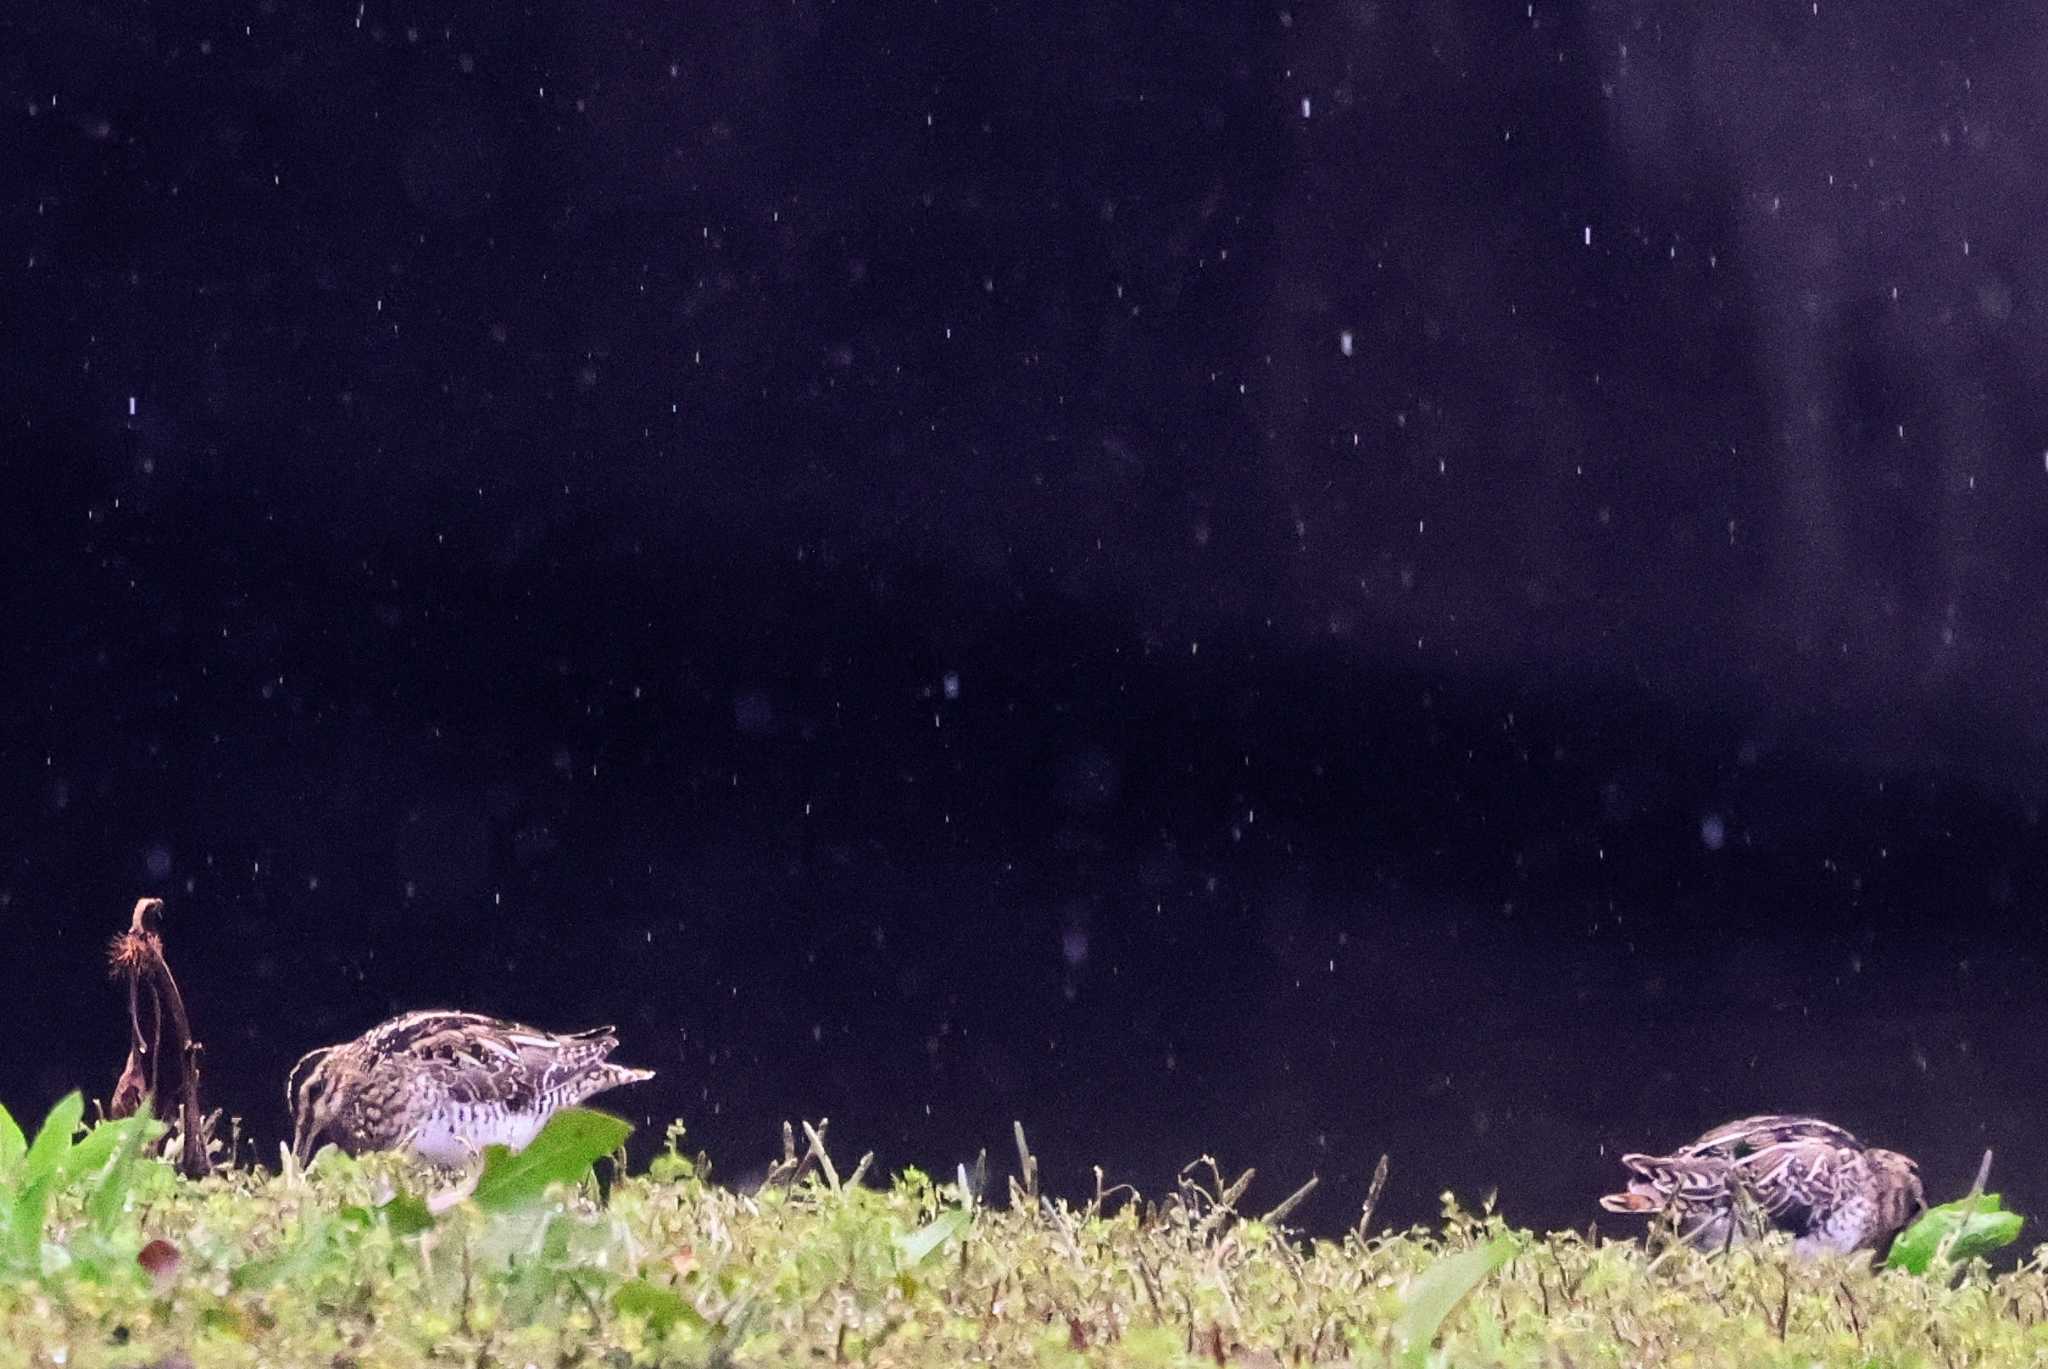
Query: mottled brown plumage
[442,1085]
[1776,1172]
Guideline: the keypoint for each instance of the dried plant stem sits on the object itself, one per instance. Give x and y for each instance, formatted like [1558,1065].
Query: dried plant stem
[1983,1175]
[138,955]
[1372,1198]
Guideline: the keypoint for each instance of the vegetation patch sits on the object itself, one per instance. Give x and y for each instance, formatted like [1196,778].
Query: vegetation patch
[555,1256]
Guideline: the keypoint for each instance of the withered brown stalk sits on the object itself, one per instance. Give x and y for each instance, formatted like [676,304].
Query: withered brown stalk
[138,956]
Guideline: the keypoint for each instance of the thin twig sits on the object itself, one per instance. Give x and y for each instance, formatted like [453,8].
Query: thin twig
[816,1136]
[1027,1163]
[783,1171]
[1372,1197]
[1292,1201]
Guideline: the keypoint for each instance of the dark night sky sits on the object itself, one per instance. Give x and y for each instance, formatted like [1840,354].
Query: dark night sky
[1460,579]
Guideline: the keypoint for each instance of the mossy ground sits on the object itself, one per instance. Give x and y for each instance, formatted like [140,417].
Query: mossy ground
[668,1267]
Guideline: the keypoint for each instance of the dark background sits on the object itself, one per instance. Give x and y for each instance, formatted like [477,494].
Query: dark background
[1464,580]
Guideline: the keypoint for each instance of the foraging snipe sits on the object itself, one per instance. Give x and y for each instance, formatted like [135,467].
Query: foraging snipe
[1796,1174]
[443,1085]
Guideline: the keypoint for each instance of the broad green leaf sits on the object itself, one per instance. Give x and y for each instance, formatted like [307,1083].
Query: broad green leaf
[25,1224]
[94,1149]
[97,1146]
[103,1206]
[1971,1226]
[13,1145]
[915,1247]
[573,1140]
[659,1307]
[53,1141]
[1438,1290]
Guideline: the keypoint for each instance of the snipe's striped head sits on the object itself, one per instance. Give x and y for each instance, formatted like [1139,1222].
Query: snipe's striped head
[312,1098]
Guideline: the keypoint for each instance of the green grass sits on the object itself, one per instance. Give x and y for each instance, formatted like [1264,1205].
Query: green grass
[107,1257]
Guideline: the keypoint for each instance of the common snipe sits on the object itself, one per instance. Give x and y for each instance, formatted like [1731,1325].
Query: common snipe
[443,1085]
[1775,1172]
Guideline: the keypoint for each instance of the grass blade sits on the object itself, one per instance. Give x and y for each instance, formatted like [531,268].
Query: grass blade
[1439,1289]
[573,1140]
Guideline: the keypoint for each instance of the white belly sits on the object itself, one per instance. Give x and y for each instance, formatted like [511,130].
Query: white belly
[459,1135]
